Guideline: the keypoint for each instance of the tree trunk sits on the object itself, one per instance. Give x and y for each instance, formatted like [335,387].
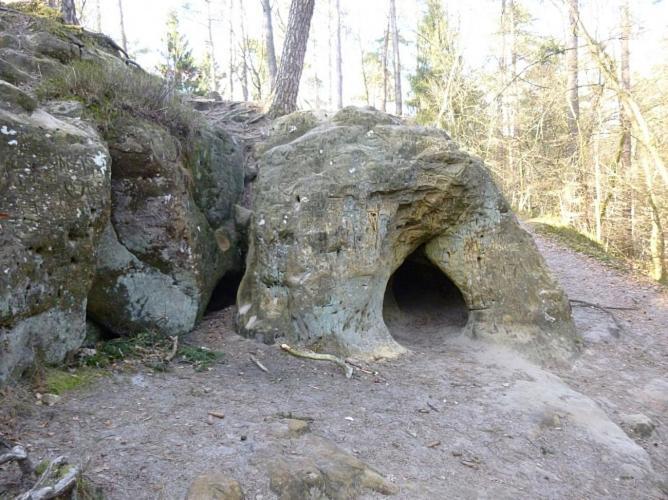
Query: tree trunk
[292,59]
[53,4]
[124,38]
[339,62]
[244,51]
[69,12]
[397,60]
[270,50]
[213,84]
[572,78]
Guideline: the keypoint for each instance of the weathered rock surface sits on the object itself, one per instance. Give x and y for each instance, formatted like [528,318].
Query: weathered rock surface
[215,487]
[339,205]
[317,469]
[638,425]
[54,203]
[149,218]
[171,235]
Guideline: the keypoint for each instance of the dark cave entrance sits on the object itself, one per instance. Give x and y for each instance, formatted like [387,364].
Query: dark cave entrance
[421,303]
[225,292]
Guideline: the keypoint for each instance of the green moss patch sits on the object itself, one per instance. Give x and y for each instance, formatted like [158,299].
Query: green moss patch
[58,381]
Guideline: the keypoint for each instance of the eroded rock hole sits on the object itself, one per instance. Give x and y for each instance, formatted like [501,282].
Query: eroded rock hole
[225,292]
[422,303]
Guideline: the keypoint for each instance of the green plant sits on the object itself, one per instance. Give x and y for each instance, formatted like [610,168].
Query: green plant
[113,90]
[152,350]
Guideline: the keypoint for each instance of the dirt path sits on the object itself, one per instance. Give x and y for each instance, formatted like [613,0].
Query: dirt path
[455,419]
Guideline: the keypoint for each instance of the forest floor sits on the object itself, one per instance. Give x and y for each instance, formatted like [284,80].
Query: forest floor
[453,419]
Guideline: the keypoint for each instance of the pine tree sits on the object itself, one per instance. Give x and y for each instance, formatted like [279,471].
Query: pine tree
[179,67]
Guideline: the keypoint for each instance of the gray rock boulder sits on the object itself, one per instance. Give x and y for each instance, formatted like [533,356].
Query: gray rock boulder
[339,205]
[171,235]
[54,203]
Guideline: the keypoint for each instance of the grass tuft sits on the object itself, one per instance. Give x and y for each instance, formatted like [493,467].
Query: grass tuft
[113,90]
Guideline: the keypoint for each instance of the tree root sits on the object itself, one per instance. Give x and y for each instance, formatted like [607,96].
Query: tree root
[303,353]
[607,310]
[60,487]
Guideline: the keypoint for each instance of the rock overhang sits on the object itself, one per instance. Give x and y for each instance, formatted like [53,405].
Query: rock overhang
[341,203]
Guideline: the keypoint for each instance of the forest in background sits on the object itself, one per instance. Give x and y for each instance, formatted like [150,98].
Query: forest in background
[572,133]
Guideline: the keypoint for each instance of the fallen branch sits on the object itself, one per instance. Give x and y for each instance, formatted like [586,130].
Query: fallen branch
[17,454]
[577,302]
[175,348]
[62,486]
[303,353]
[259,364]
[604,309]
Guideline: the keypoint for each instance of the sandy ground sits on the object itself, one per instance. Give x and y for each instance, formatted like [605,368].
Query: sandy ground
[454,419]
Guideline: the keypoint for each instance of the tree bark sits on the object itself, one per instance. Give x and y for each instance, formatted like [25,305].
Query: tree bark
[292,59]
[270,50]
[69,12]
[124,38]
[397,60]
[339,63]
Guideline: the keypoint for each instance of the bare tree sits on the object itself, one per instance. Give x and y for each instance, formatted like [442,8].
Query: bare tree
[232,47]
[244,51]
[397,60]
[572,72]
[270,51]
[386,43]
[292,59]
[625,125]
[69,11]
[339,63]
[124,38]
[98,16]
[213,84]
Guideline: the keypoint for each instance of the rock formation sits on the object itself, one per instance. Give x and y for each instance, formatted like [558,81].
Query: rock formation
[116,214]
[339,205]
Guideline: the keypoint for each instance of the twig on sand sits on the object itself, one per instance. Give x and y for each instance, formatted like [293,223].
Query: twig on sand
[584,303]
[259,364]
[606,309]
[303,353]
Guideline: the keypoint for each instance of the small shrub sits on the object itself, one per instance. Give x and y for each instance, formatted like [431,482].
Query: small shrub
[113,90]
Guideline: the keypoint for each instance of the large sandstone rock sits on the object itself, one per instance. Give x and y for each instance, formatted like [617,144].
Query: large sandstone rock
[54,203]
[339,205]
[171,236]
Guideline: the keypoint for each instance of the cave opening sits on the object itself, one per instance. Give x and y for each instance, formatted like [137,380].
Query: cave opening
[225,292]
[421,303]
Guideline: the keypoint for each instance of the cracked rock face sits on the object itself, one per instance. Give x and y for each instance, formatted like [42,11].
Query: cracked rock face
[340,204]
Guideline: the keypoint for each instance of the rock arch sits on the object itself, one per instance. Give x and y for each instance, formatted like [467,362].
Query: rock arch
[339,206]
